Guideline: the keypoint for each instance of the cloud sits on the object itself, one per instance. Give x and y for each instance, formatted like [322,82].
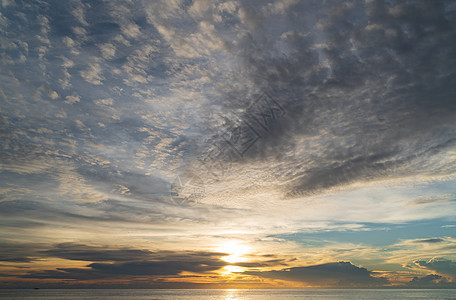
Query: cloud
[160,267]
[262,264]
[72,99]
[366,136]
[79,13]
[426,200]
[432,241]
[83,252]
[439,265]
[128,262]
[93,74]
[17,252]
[431,281]
[225,53]
[108,51]
[329,274]
[366,91]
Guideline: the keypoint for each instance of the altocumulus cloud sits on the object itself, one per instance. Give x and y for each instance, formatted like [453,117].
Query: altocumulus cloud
[367,86]
[353,77]
[356,82]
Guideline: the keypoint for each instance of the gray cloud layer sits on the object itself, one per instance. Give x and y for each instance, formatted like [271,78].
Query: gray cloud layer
[439,265]
[109,263]
[367,87]
[431,281]
[329,274]
[371,83]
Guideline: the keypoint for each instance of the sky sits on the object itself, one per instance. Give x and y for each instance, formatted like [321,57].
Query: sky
[227,144]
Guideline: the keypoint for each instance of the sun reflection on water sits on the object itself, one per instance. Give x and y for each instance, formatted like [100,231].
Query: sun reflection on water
[230,295]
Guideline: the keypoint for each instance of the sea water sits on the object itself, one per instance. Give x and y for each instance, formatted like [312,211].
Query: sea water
[235,294]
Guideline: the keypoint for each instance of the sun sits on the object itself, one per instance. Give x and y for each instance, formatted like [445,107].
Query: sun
[236,251]
[228,270]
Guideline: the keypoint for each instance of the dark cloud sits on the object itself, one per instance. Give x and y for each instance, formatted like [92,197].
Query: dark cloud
[163,263]
[125,262]
[192,264]
[431,281]
[109,262]
[29,214]
[74,251]
[92,253]
[430,241]
[439,265]
[370,83]
[17,252]
[260,264]
[329,274]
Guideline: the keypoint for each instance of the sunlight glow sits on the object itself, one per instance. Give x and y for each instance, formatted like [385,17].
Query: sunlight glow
[228,270]
[236,251]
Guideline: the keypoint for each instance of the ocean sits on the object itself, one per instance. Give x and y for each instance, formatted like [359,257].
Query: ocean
[245,294]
